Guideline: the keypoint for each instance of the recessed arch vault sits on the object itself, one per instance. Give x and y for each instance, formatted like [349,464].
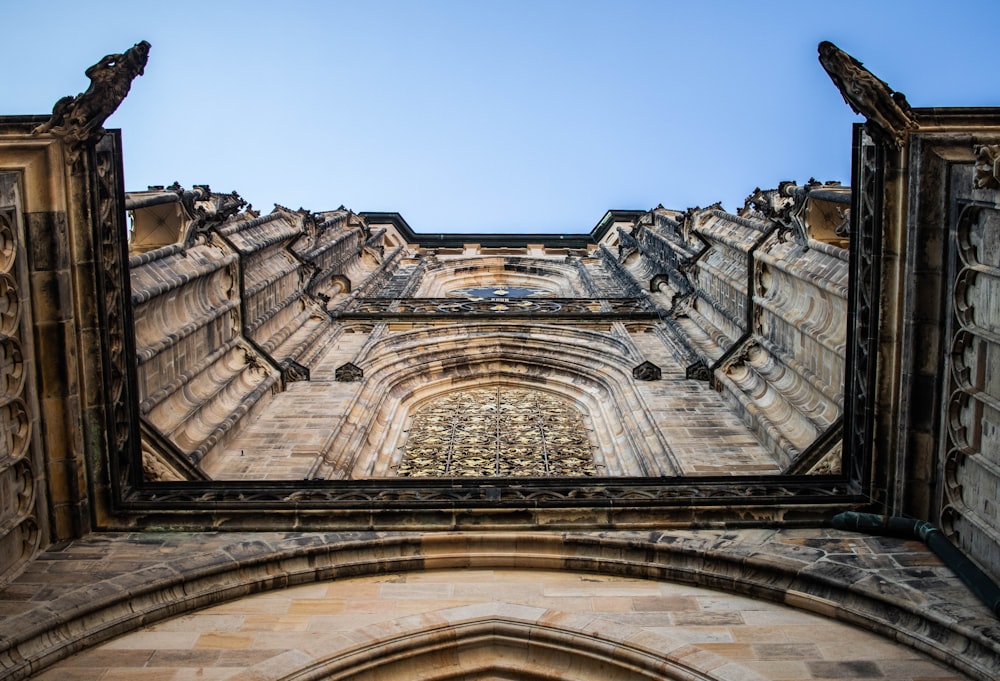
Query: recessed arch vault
[590,368]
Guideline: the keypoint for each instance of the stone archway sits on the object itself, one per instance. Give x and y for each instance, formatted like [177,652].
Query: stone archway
[589,368]
[481,623]
[652,575]
[509,641]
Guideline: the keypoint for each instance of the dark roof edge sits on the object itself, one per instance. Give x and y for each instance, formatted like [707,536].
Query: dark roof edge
[519,240]
[21,124]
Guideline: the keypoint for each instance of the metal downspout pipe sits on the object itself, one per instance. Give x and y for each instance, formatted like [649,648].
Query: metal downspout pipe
[905,528]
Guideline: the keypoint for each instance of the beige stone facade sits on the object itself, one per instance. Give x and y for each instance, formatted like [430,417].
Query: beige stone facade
[646,329]
[502,623]
[319,445]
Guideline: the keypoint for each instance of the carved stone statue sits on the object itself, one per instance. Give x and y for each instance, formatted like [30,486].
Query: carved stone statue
[76,120]
[293,371]
[988,166]
[889,114]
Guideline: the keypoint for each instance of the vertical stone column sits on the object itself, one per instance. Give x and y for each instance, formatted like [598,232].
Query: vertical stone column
[65,334]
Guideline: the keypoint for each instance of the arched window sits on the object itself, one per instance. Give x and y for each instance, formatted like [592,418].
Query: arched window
[497,432]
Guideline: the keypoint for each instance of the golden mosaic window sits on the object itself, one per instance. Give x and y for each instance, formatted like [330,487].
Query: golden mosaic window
[497,432]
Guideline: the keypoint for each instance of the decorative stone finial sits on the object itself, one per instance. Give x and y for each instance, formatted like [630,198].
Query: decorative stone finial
[78,120]
[889,114]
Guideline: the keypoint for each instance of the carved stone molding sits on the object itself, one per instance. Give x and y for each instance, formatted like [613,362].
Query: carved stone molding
[971,478]
[661,282]
[380,307]
[988,166]
[737,355]
[292,371]
[19,533]
[698,371]
[344,282]
[863,304]
[115,310]
[647,371]
[770,204]
[348,373]
[683,304]
[829,464]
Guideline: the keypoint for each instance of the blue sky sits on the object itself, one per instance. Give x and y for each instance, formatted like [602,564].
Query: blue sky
[493,116]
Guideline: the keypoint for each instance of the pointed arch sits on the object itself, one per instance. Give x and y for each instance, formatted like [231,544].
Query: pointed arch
[590,368]
[502,640]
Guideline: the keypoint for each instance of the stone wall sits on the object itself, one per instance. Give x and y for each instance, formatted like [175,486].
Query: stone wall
[403,340]
[751,305]
[487,623]
[62,325]
[227,315]
[936,438]
[754,301]
[757,304]
[720,604]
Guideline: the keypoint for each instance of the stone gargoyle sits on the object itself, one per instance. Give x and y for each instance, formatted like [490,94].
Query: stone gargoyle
[889,114]
[77,120]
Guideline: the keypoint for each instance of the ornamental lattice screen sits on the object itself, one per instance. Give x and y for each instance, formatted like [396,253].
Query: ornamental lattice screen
[497,432]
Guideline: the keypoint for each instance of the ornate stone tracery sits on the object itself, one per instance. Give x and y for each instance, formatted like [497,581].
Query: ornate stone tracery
[972,426]
[500,291]
[497,432]
[863,309]
[19,535]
